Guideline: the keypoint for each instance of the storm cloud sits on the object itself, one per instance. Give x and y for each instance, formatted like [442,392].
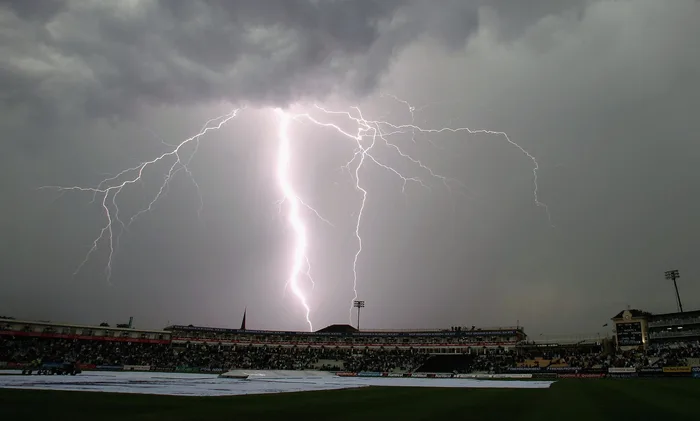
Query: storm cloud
[603,93]
[106,57]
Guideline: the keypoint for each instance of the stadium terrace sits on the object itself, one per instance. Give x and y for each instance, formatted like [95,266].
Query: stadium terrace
[343,336]
[643,344]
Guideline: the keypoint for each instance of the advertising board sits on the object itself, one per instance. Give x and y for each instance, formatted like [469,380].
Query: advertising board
[369,374]
[497,376]
[137,368]
[623,375]
[564,369]
[86,366]
[651,372]
[163,369]
[524,369]
[581,375]
[109,367]
[683,371]
[619,370]
[16,365]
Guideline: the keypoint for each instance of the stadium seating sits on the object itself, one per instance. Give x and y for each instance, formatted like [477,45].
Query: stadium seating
[19,349]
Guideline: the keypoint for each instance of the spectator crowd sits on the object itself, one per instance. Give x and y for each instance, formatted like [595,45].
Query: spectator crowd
[588,357]
[27,350]
[266,357]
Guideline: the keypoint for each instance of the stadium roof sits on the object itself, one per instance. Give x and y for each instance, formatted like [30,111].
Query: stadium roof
[640,313]
[634,312]
[96,327]
[677,315]
[338,329]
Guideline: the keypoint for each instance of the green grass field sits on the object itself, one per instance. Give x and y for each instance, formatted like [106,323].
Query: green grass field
[568,400]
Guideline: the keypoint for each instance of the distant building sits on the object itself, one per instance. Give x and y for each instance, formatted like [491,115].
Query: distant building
[673,327]
[636,328]
[35,329]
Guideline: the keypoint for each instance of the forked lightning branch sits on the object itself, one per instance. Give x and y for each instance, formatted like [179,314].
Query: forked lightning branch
[368,134]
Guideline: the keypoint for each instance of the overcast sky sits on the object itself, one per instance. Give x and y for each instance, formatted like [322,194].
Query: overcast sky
[604,94]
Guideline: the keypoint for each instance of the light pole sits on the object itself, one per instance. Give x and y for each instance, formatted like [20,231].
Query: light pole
[673,275]
[358,304]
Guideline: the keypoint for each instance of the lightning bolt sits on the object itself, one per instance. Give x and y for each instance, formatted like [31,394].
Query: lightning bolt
[368,134]
[299,258]
[381,130]
[131,176]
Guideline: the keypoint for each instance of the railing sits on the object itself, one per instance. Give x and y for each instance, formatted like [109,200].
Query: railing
[564,340]
[477,328]
[674,333]
[403,330]
[463,329]
[357,345]
[674,322]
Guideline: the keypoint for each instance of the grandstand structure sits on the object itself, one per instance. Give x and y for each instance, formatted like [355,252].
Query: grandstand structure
[644,344]
[633,329]
[637,328]
[432,341]
[674,326]
[209,349]
[36,329]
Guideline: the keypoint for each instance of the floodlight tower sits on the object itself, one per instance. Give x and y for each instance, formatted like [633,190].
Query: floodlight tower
[673,275]
[358,304]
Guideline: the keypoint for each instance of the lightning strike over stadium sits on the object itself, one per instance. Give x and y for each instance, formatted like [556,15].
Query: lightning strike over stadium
[368,134]
[299,257]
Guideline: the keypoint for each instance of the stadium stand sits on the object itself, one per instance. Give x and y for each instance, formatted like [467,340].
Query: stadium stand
[342,348]
[432,341]
[24,350]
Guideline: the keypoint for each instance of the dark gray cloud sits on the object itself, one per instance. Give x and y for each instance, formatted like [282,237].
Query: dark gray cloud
[107,57]
[36,10]
[603,93]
